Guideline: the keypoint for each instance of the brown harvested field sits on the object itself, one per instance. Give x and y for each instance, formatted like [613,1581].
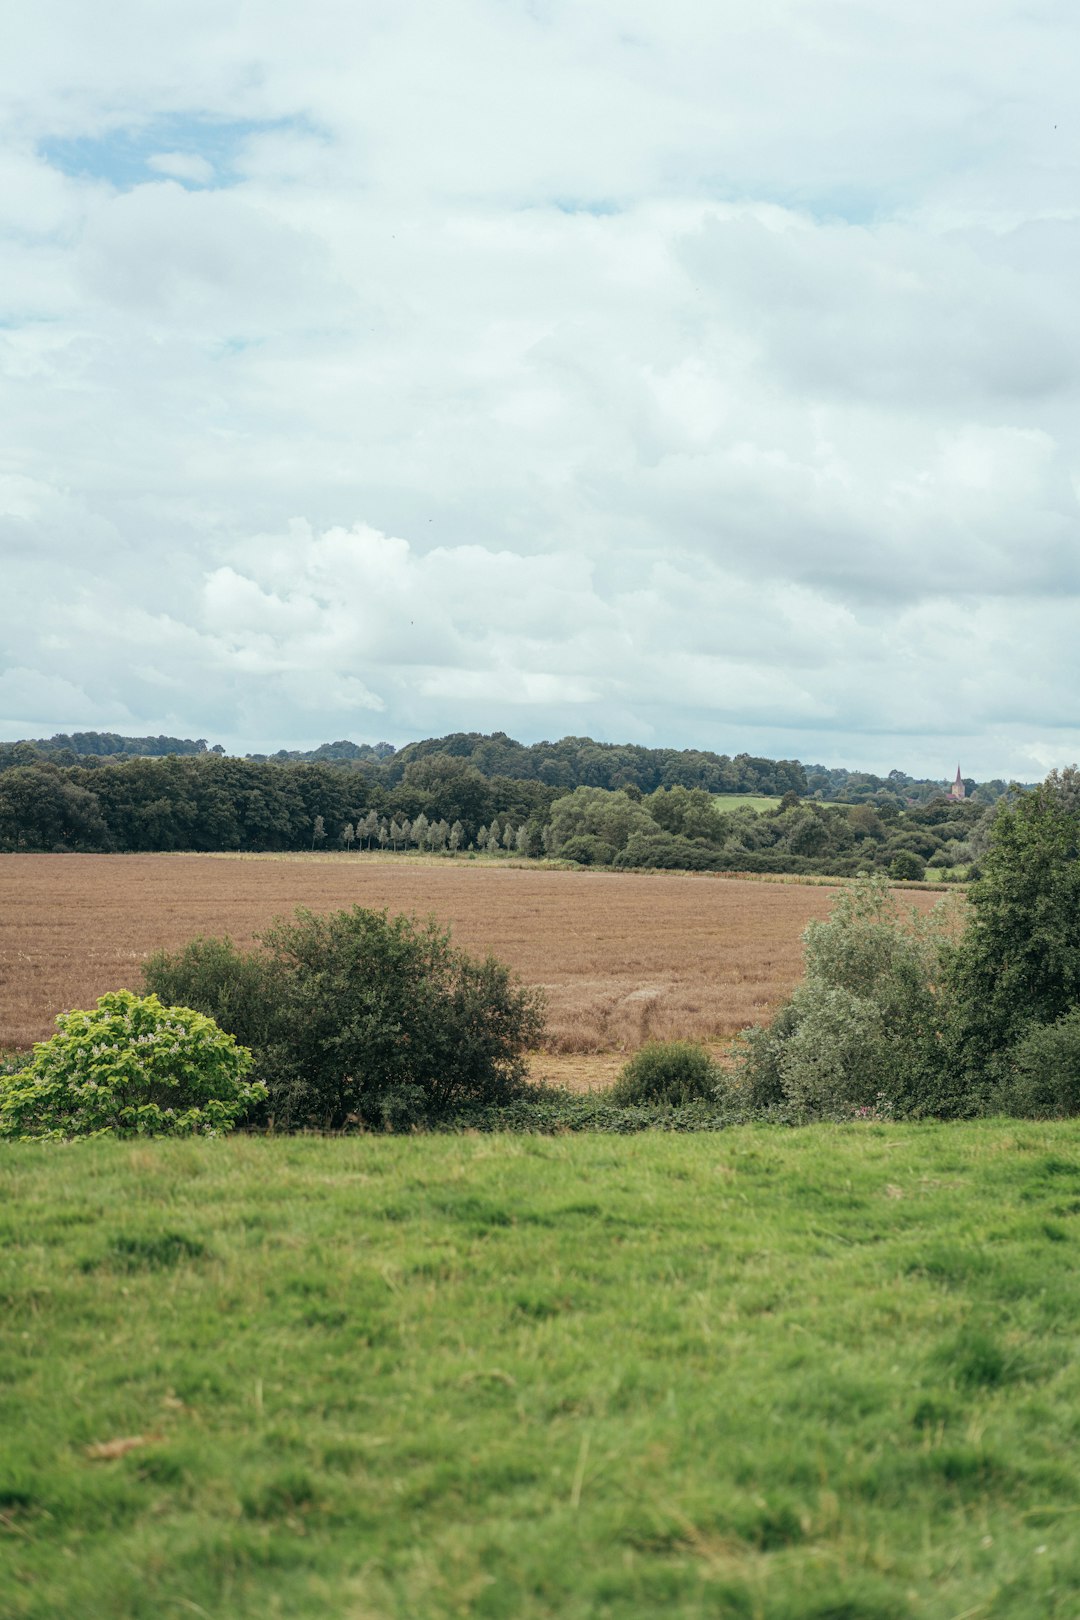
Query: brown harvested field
[623,956]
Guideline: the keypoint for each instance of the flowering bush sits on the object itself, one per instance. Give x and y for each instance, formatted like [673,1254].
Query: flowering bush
[130,1067]
[881,1108]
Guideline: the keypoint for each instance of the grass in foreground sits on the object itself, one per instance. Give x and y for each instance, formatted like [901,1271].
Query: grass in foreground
[768,1374]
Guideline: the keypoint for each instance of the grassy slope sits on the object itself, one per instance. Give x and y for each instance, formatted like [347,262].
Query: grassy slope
[763,1374]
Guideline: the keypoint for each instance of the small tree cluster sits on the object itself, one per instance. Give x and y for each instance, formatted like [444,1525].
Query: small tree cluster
[375,831]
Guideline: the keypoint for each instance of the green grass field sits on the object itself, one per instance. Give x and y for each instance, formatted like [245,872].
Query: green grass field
[827,1373]
[744,801]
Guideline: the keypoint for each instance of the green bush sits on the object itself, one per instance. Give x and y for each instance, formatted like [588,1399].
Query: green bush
[360,1018]
[130,1066]
[587,850]
[863,1030]
[1039,1078]
[907,866]
[231,986]
[669,1072]
[756,1084]
[668,850]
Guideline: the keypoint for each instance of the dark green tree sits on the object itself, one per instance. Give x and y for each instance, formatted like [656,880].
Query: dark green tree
[358,1017]
[42,808]
[1018,964]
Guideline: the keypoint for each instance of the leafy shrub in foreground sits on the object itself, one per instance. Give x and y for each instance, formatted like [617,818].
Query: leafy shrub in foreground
[359,1018]
[671,1072]
[130,1066]
[1040,1075]
[229,985]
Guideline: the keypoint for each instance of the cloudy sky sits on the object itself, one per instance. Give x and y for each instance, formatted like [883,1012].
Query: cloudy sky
[698,373]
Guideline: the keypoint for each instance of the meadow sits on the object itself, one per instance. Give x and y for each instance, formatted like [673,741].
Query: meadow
[825,1374]
[623,956]
[745,801]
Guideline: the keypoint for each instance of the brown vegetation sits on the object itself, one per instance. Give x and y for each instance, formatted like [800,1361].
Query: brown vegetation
[624,957]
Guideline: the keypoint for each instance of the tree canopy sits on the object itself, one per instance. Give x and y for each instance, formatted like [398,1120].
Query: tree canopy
[1020,959]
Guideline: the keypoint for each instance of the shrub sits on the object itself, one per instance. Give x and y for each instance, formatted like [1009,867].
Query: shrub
[863,1030]
[130,1066]
[1039,1078]
[360,1018]
[587,850]
[907,866]
[670,1072]
[756,1084]
[551,1111]
[668,850]
[231,986]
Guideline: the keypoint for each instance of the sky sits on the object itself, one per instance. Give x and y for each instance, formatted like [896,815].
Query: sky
[701,374]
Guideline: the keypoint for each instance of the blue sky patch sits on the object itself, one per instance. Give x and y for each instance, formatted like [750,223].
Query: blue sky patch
[192,151]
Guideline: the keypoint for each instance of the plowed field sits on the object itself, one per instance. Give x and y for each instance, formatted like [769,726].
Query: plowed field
[623,956]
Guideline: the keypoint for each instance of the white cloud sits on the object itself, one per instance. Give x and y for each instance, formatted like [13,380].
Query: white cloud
[182,166]
[696,375]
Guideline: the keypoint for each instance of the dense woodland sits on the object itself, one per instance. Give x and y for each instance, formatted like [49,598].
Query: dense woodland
[597,804]
[570,763]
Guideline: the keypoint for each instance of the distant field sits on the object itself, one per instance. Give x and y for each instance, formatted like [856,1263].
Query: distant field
[622,956]
[826,1374]
[739,801]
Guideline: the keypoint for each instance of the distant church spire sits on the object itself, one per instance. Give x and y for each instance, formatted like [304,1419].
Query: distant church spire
[958,790]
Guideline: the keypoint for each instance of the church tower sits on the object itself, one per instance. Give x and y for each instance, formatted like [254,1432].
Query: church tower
[958,790]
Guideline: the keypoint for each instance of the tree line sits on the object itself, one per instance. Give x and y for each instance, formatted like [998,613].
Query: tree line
[73,748]
[572,762]
[440,802]
[568,764]
[689,829]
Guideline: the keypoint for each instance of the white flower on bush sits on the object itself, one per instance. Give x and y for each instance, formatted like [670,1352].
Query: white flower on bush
[130,1067]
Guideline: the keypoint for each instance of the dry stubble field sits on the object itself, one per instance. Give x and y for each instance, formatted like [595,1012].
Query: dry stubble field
[622,956]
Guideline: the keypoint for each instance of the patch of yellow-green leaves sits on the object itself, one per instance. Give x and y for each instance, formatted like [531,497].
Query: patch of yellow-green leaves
[130,1067]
